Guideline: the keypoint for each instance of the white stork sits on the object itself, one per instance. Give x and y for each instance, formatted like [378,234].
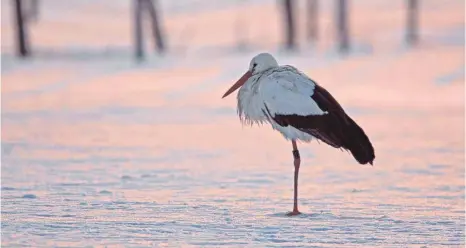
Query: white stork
[299,109]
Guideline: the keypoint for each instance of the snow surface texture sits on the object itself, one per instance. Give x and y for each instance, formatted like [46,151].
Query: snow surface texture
[98,150]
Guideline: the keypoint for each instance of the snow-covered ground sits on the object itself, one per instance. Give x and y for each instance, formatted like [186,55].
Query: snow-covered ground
[98,150]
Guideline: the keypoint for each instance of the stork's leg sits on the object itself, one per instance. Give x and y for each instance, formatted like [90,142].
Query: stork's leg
[297,163]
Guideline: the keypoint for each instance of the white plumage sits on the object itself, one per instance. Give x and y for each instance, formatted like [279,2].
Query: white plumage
[278,90]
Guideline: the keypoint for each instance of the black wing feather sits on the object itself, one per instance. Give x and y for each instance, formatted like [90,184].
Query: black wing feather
[335,128]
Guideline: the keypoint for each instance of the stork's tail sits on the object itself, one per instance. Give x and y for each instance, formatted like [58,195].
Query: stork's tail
[358,143]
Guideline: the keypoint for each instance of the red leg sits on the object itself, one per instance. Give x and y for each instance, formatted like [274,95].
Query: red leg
[297,163]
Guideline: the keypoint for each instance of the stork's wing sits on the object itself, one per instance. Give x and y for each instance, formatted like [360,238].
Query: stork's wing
[292,99]
[287,91]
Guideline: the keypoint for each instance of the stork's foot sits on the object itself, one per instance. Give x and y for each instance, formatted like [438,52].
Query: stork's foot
[293,213]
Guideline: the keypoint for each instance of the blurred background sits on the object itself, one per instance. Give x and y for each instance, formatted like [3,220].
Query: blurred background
[114,132]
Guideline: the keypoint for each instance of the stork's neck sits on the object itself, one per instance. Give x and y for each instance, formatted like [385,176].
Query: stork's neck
[265,72]
[265,69]
[251,86]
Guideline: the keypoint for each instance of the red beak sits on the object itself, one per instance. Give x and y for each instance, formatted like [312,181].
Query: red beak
[238,84]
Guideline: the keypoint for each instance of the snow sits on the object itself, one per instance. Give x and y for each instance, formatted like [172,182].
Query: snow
[98,150]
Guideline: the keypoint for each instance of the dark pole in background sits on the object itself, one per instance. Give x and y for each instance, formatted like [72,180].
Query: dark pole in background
[289,24]
[35,9]
[412,24]
[342,25]
[31,10]
[312,19]
[155,21]
[138,35]
[22,44]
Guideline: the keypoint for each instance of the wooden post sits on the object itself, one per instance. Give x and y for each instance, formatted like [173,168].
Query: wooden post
[342,25]
[21,29]
[312,19]
[289,24]
[138,35]
[31,10]
[156,30]
[412,22]
[240,28]
[35,9]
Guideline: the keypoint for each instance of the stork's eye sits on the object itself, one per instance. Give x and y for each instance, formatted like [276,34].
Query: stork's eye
[254,65]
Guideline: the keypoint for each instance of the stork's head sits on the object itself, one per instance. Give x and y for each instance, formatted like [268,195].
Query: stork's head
[262,62]
[258,64]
